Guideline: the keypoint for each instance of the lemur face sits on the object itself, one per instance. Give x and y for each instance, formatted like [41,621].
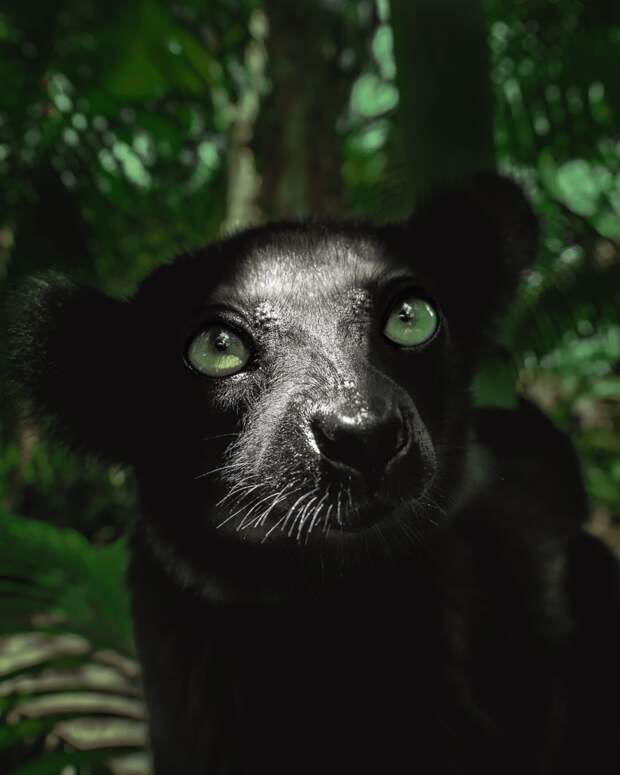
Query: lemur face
[297,388]
[311,372]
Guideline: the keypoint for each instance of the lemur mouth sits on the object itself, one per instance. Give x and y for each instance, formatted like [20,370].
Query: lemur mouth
[318,519]
[360,516]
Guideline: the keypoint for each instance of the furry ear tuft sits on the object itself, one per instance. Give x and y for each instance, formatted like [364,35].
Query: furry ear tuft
[504,204]
[472,242]
[68,361]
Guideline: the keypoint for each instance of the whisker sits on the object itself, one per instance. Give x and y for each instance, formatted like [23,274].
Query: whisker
[241,525]
[241,498]
[317,511]
[237,488]
[302,518]
[221,436]
[299,513]
[277,497]
[285,517]
[284,493]
[329,511]
[338,516]
[225,467]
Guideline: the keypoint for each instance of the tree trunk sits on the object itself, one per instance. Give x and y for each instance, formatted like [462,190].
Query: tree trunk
[443,75]
[298,136]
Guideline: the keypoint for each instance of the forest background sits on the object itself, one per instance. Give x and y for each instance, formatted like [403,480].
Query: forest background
[131,131]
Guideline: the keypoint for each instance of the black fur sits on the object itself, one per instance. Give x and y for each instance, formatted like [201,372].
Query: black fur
[422,597]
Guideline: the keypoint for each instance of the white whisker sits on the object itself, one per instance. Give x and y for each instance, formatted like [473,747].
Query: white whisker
[299,512]
[317,511]
[302,517]
[284,493]
[285,517]
[242,524]
[237,488]
[225,467]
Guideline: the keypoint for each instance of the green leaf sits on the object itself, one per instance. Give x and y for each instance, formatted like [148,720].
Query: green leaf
[27,730]
[156,56]
[371,96]
[578,186]
[602,486]
[54,762]
[607,388]
[586,293]
[62,574]
[57,662]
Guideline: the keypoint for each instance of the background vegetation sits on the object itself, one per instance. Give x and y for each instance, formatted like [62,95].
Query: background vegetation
[132,130]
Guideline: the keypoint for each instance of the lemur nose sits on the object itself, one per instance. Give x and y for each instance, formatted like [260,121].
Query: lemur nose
[364,441]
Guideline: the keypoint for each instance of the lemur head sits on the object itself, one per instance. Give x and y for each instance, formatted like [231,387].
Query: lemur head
[293,388]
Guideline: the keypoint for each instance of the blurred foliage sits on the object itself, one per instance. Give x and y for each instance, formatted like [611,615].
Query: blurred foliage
[77,584]
[116,110]
[558,107]
[579,383]
[69,688]
[132,131]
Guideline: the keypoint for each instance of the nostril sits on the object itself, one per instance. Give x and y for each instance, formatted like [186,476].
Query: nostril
[338,437]
[366,443]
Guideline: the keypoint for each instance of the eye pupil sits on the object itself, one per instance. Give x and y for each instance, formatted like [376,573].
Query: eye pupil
[406,313]
[222,341]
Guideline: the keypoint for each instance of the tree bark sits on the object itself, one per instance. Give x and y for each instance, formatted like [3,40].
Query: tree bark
[300,146]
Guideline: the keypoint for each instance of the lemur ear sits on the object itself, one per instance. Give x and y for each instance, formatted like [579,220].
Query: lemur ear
[472,242]
[70,363]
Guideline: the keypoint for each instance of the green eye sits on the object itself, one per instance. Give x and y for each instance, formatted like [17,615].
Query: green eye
[218,352]
[412,321]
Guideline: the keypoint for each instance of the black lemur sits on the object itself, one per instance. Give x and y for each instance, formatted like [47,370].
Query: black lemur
[339,565]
